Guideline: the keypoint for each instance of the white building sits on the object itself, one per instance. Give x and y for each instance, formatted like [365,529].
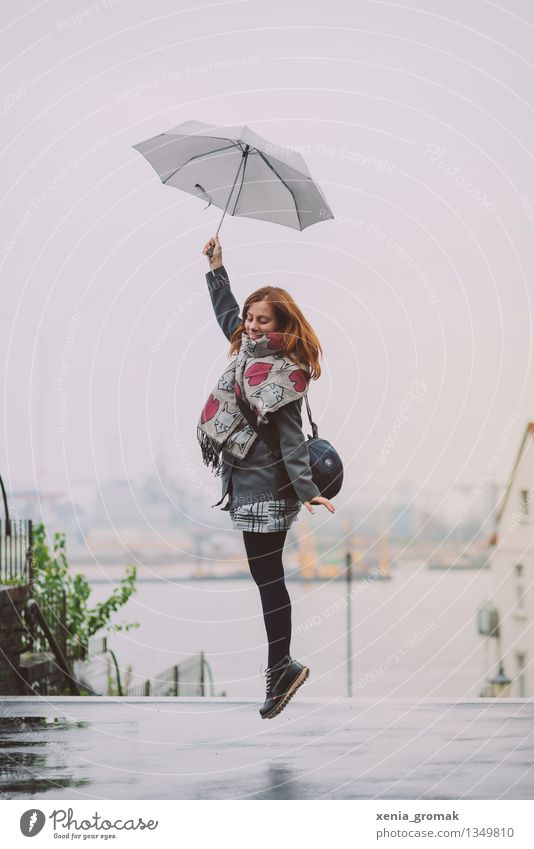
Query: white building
[512,565]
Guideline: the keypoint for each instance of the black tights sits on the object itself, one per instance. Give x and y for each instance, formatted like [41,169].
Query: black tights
[264,553]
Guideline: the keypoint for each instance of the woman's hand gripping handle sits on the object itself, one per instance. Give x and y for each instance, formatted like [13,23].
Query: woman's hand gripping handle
[213,251]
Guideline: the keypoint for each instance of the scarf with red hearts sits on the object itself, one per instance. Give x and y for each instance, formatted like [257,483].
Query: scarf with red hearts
[262,376]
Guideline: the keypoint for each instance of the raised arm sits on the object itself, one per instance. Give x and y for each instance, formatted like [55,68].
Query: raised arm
[224,304]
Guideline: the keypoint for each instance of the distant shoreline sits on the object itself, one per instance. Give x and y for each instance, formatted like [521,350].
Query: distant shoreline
[242,576]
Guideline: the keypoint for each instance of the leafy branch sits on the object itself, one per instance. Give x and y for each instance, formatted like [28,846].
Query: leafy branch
[52,578]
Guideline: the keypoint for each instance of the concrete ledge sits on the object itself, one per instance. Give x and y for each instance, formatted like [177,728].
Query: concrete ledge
[253,700]
[217,748]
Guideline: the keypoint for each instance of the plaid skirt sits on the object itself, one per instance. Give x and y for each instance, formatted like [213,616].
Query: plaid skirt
[265,516]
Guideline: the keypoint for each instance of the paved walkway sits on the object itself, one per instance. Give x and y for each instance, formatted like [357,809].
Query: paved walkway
[100,748]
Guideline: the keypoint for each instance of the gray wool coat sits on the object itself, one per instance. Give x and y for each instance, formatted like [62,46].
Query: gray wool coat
[259,476]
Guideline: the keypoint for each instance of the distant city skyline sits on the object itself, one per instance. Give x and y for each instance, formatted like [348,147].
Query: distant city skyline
[155,505]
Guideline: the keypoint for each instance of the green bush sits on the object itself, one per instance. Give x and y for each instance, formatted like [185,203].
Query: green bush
[51,576]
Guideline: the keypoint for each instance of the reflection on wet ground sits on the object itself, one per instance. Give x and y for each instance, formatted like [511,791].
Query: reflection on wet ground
[216,748]
[32,759]
[19,789]
[22,723]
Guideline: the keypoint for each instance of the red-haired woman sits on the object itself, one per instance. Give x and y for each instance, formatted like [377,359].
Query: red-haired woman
[275,354]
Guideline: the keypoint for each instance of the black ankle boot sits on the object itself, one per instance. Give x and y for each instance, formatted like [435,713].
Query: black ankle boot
[283,680]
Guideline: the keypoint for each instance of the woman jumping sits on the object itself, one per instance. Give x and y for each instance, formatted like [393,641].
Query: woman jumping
[277,353]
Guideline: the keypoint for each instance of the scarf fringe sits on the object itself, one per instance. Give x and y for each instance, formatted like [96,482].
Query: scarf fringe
[222,391]
[211,454]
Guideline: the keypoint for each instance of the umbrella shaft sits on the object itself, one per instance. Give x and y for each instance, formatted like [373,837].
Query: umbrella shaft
[241,165]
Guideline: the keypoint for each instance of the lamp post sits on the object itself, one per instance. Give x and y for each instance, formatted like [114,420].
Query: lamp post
[500,684]
[348,562]
[348,579]
[6,511]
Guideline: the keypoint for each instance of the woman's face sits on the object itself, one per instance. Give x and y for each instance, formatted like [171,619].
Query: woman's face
[259,319]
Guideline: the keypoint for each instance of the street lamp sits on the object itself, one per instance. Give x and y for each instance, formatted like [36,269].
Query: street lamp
[500,684]
[6,511]
[348,579]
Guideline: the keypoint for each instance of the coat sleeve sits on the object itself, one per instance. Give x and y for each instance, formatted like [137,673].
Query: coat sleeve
[288,423]
[225,305]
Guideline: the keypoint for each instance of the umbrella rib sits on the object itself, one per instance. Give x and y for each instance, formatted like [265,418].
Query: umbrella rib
[285,184]
[197,156]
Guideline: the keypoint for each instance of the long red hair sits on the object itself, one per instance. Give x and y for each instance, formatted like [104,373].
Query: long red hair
[300,340]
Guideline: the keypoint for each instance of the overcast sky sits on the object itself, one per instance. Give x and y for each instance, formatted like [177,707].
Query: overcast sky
[416,119]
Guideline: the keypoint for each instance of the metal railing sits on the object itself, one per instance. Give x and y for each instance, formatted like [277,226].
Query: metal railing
[35,615]
[98,647]
[188,678]
[54,610]
[16,552]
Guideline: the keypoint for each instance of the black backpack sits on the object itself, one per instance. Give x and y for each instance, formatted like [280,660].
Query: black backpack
[325,463]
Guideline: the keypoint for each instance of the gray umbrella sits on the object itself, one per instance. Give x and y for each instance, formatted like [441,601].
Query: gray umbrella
[238,171]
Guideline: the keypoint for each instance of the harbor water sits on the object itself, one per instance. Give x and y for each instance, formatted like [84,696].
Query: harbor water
[412,636]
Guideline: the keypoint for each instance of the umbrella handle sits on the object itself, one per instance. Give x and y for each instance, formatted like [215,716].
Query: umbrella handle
[209,252]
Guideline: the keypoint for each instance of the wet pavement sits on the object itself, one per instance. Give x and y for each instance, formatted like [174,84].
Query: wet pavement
[178,748]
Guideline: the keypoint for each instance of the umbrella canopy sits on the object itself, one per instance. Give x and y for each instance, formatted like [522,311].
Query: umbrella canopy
[238,171]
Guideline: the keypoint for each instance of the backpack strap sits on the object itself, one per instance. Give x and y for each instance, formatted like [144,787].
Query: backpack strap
[315,429]
[264,431]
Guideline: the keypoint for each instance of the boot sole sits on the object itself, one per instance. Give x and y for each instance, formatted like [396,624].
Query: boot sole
[298,682]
